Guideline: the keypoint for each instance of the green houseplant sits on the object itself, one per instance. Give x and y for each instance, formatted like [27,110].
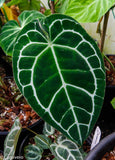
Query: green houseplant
[56,65]
[28,36]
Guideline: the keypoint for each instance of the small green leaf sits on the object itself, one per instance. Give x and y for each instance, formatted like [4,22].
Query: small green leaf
[42,141]
[11,29]
[33,152]
[1,3]
[113,102]
[66,149]
[11,140]
[48,129]
[85,11]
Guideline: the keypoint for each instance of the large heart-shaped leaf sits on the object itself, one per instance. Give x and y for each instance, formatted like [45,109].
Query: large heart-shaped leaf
[11,29]
[85,11]
[60,71]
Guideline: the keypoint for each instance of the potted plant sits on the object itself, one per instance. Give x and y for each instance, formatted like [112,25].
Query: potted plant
[43,53]
[45,41]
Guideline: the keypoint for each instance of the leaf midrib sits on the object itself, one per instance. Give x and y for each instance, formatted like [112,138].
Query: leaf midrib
[64,86]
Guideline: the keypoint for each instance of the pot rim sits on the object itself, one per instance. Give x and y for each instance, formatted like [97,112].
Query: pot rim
[4,133]
[106,144]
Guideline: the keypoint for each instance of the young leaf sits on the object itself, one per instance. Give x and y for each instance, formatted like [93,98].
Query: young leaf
[48,130]
[66,149]
[42,141]
[113,102]
[33,152]
[11,140]
[11,29]
[85,11]
[59,69]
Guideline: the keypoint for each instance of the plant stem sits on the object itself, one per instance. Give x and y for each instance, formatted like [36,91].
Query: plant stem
[38,136]
[18,97]
[52,6]
[98,26]
[112,66]
[106,17]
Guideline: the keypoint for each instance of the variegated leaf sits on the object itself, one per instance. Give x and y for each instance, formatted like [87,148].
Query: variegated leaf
[66,149]
[42,141]
[59,69]
[11,29]
[33,152]
[48,130]
[11,140]
[85,11]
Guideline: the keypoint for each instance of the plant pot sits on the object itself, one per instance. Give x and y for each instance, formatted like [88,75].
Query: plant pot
[23,144]
[106,120]
[107,115]
[108,112]
[25,135]
[105,145]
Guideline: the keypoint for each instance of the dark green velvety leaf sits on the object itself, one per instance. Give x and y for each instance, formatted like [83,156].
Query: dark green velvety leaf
[60,71]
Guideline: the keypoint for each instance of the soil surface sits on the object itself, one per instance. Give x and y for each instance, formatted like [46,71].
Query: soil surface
[109,155]
[13,104]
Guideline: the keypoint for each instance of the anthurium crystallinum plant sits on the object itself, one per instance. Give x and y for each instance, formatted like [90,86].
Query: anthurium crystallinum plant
[59,69]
